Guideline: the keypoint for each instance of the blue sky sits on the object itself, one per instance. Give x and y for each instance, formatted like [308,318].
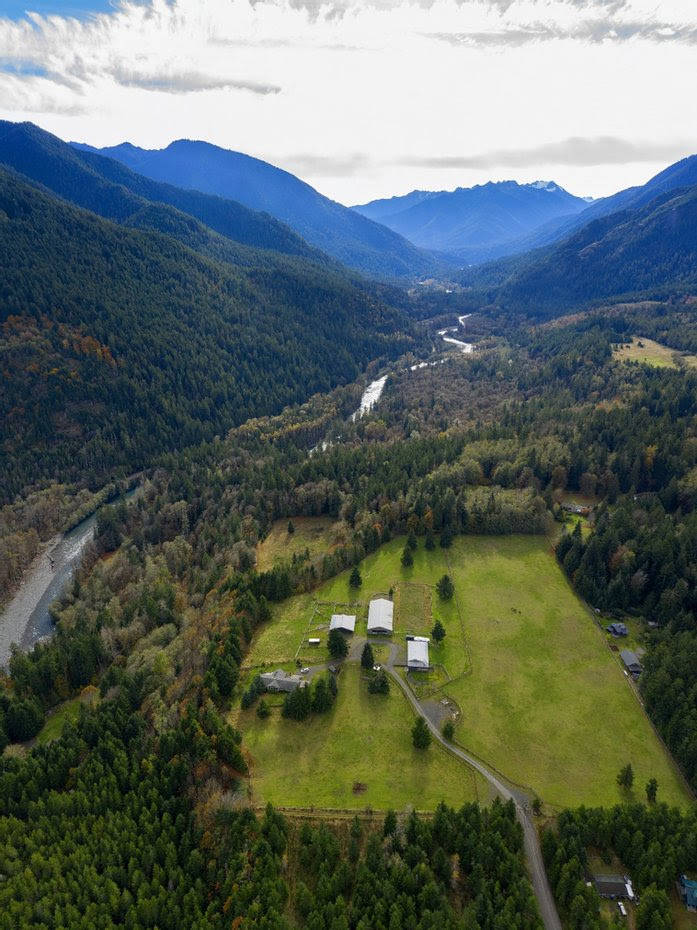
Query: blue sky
[15,9]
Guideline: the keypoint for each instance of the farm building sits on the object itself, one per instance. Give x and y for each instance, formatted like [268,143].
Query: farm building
[380,615]
[314,640]
[618,629]
[614,886]
[344,622]
[688,892]
[631,662]
[417,652]
[281,681]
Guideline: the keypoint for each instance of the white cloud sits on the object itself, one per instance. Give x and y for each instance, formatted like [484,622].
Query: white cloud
[376,96]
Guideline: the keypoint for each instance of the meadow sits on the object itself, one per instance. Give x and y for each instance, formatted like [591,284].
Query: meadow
[653,353]
[542,697]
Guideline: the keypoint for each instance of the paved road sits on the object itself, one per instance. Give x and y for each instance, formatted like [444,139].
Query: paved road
[538,875]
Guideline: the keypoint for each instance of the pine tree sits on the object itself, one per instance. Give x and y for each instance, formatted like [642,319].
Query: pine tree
[367,657]
[420,734]
[355,579]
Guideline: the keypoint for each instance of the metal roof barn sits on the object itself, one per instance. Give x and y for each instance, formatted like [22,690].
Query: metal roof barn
[380,615]
[344,622]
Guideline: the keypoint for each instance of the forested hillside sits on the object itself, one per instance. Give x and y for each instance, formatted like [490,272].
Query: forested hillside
[119,344]
[652,250]
[111,190]
[354,240]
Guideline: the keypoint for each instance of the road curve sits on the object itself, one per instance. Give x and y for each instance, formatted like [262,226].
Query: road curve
[538,875]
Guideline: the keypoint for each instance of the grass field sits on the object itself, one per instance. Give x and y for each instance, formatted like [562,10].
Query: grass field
[653,353]
[543,698]
[66,712]
[317,534]
[364,741]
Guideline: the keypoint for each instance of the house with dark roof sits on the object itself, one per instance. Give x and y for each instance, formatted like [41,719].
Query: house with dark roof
[618,629]
[631,662]
[280,681]
[614,887]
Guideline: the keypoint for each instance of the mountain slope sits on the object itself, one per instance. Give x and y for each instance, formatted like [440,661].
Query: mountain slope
[113,191]
[653,248]
[344,234]
[681,174]
[118,345]
[474,223]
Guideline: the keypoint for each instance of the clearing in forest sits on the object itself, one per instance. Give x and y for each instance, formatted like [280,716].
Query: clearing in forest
[542,697]
[316,534]
[653,353]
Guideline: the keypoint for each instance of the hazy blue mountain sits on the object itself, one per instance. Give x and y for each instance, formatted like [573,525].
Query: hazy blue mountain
[682,174]
[115,192]
[343,233]
[649,249]
[474,223]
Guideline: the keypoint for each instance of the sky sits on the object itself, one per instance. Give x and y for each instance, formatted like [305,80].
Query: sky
[370,98]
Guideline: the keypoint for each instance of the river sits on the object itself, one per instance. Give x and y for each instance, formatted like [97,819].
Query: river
[26,619]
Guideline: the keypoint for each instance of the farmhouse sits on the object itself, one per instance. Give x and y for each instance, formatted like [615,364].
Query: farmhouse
[614,886]
[688,892]
[618,629]
[344,622]
[631,662]
[281,681]
[380,615]
[417,653]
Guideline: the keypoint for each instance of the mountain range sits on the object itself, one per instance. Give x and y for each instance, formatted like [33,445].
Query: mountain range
[353,239]
[473,224]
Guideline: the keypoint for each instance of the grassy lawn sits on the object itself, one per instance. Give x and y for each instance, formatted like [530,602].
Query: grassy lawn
[64,713]
[543,699]
[365,741]
[317,534]
[653,353]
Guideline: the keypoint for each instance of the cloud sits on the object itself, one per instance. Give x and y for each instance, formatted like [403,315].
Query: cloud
[595,31]
[327,166]
[189,82]
[576,152]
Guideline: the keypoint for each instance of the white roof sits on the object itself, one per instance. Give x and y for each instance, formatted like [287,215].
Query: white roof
[380,614]
[343,622]
[417,652]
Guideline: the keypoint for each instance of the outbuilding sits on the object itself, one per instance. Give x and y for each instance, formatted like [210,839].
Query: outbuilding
[631,662]
[688,892]
[381,616]
[618,629]
[417,653]
[344,622]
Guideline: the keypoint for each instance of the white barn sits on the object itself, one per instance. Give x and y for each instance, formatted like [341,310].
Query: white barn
[417,653]
[344,622]
[380,615]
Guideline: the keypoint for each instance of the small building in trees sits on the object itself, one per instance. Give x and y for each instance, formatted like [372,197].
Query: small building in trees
[688,892]
[631,662]
[381,616]
[417,653]
[614,887]
[280,681]
[344,622]
[617,629]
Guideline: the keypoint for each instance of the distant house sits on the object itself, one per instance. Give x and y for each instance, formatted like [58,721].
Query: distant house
[688,892]
[381,615]
[417,653]
[314,640]
[631,662]
[344,622]
[578,509]
[614,887]
[277,681]
[618,629]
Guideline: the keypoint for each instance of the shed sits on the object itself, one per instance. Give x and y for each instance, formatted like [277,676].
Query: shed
[281,681]
[417,653]
[688,892]
[344,622]
[613,886]
[314,640]
[631,662]
[618,629]
[380,615]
